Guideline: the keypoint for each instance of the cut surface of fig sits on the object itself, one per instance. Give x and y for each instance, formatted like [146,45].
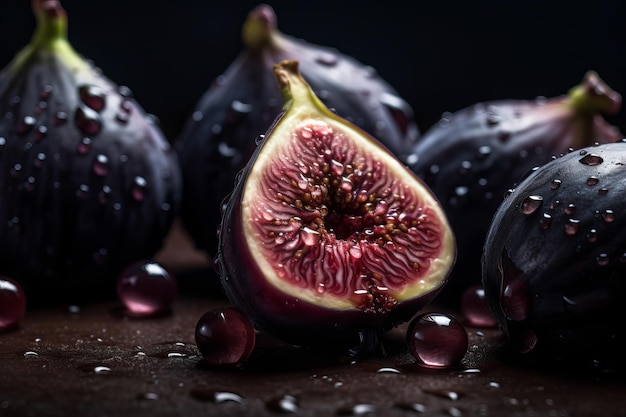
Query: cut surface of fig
[332,219]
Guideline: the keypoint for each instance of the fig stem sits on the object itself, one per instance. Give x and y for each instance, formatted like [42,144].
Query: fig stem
[593,96]
[50,35]
[259,26]
[293,87]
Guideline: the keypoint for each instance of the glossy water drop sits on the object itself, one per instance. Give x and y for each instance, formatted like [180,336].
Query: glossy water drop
[241,107]
[515,299]
[591,159]
[555,184]
[437,340]
[357,410]
[284,404]
[84,146]
[474,307]
[591,181]
[105,194]
[26,125]
[93,96]
[101,165]
[545,221]
[608,216]
[12,303]
[138,191]
[146,289]
[571,227]
[60,118]
[602,259]
[531,204]
[87,120]
[216,396]
[225,337]
[569,209]
[40,133]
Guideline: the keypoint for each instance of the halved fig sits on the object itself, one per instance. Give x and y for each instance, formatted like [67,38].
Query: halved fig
[327,234]
[555,260]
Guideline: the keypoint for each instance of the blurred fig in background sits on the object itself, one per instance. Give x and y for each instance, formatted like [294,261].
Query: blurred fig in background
[472,157]
[88,182]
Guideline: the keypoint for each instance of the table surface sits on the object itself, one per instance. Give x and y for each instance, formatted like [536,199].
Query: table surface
[93,361]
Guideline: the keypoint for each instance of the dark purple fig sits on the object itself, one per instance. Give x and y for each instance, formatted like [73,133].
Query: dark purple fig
[88,182]
[327,235]
[472,157]
[219,137]
[555,260]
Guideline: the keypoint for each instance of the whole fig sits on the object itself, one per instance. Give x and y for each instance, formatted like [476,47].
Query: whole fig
[472,157]
[219,137]
[327,235]
[555,260]
[88,182]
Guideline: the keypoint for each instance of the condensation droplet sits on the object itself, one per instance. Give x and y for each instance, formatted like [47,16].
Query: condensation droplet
[592,181]
[608,216]
[93,96]
[591,159]
[555,184]
[571,227]
[569,209]
[241,107]
[138,191]
[545,221]
[84,146]
[531,204]
[101,165]
[88,120]
[602,259]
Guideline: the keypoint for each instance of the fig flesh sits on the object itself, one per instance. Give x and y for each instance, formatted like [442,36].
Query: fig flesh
[88,182]
[554,261]
[327,234]
[219,136]
[473,156]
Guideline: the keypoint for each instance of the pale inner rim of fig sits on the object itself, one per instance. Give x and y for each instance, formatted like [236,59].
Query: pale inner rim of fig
[329,217]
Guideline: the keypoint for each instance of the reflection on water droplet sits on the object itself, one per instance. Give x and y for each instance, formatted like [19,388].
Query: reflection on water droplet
[101,165]
[284,404]
[93,96]
[30,353]
[531,204]
[138,191]
[241,107]
[101,369]
[569,209]
[591,159]
[602,259]
[357,410]
[555,184]
[216,396]
[151,396]
[608,216]
[26,125]
[87,120]
[571,227]
[592,181]
[387,370]
[545,221]
[84,146]
[259,139]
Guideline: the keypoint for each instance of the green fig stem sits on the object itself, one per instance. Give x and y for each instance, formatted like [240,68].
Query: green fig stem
[50,35]
[259,26]
[594,96]
[294,88]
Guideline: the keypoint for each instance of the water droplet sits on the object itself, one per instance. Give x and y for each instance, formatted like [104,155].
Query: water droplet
[226,150]
[26,125]
[87,120]
[82,192]
[125,91]
[437,340]
[241,107]
[101,165]
[60,118]
[555,184]
[150,396]
[104,195]
[571,227]
[388,370]
[46,91]
[101,369]
[93,96]
[414,407]
[310,237]
[216,396]
[603,191]
[84,146]
[357,410]
[515,299]
[122,117]
[327,58]
[545,221]
[466,167]
[592,236]
[40,133]
[608,216]
[474,307]
[592,181]
[139,188]
[602,259]
[30,354]
[531,204]
[146,289]
[259,139]
[483,151]
[591,159]
[284,404]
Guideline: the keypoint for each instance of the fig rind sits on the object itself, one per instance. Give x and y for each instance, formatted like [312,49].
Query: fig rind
[362,271]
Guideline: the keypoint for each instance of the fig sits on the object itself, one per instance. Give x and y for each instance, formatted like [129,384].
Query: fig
[328,236]
[555,259]
[219,137]
[473,156]
[88,182]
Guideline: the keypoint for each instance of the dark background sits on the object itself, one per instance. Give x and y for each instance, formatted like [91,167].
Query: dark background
[440,55]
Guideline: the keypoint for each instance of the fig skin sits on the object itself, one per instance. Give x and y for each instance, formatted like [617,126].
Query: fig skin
[88,182]
[554,261]
[251,260]
[219,137]
[473,156]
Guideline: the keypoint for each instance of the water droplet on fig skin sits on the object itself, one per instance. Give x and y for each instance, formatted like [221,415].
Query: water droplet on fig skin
[88,120]
[101,165]
[93,96]
[515,299]
[571,227]
[284,404]
[216,396]
[545,221]
[591,159]
[138,191]
[608,216]
[531,204]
